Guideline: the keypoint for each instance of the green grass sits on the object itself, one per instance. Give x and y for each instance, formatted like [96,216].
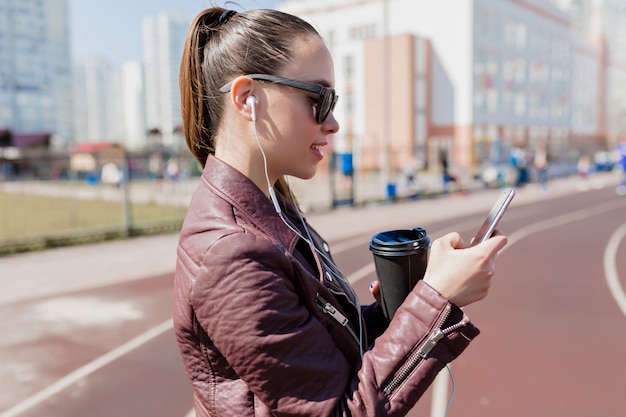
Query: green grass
[33,222]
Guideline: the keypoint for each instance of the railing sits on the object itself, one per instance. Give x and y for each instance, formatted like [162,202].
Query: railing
[51,200]
[44,203]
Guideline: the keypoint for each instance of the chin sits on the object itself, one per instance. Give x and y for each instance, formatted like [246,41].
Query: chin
[307,175]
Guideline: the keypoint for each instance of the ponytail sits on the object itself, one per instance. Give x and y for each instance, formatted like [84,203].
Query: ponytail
[198,122]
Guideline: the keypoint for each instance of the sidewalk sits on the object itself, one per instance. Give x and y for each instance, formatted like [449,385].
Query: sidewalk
[56,271]
[315,195]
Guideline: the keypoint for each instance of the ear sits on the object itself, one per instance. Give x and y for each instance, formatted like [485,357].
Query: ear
[242,87]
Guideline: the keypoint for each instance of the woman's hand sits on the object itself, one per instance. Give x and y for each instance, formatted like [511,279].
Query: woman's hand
[462,275]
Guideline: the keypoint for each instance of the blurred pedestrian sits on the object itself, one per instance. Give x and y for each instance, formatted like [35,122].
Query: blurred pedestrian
[265,322]
[409,173]
[447,176]
[584,170]
[621,151]
[541,163]
[520,161]
[111,174]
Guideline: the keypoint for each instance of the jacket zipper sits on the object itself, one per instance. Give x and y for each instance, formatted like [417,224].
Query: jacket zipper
[329,309]
[426,347]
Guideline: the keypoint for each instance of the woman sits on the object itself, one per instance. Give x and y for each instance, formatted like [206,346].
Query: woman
[266,324]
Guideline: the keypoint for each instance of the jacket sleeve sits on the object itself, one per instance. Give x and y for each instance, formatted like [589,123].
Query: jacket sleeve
[251,311]
[426,333]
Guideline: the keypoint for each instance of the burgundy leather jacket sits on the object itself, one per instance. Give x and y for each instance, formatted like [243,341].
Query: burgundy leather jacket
[268,327]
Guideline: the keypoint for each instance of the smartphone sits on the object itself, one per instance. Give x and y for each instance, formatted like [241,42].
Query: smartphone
[494,216]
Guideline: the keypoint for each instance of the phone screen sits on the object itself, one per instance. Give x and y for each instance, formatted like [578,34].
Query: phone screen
[494,216]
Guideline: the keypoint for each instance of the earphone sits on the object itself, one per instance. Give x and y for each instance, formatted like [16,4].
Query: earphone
[251,102]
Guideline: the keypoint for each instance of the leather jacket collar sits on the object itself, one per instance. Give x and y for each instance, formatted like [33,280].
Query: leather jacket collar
[238,190]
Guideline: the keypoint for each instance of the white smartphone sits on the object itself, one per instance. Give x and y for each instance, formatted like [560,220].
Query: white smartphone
[494,216]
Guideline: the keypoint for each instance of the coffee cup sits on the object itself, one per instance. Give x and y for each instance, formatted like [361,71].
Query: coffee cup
[400,258]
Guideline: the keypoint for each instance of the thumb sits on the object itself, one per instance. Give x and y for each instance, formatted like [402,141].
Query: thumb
[496,242]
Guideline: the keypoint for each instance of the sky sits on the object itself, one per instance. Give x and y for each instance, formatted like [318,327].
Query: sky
[111,29]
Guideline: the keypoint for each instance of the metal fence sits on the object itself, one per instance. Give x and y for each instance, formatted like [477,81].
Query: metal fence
[51,200]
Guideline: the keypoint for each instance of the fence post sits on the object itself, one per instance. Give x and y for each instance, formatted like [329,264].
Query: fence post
[128,221]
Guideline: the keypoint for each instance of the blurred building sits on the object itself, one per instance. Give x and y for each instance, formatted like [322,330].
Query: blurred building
[35,68]
[109,103]
[132,95]
[163,40]
[468,80]
[137,105]
[601,24]
[95,93]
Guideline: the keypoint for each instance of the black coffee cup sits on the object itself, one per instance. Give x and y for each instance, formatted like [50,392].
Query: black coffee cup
[400,257]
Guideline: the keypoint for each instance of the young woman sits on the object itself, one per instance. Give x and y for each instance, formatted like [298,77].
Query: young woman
[265,322]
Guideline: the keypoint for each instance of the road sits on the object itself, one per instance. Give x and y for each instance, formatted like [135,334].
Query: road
[87,330]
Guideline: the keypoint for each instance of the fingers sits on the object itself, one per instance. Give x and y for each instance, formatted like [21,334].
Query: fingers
[452,240]
[375,290]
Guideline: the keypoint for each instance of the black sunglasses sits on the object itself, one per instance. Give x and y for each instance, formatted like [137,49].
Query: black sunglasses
[325,103]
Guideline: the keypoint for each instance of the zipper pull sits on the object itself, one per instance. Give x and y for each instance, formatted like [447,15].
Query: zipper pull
[328,308]
[430,343]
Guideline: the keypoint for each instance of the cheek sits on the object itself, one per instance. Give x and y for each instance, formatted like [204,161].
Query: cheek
[295,122]
[297,107]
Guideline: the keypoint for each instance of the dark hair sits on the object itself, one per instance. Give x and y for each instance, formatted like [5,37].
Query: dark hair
[220,46]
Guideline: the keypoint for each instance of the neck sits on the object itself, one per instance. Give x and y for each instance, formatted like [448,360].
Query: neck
[249,164]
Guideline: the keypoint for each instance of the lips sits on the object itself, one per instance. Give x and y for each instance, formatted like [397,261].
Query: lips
[318,148]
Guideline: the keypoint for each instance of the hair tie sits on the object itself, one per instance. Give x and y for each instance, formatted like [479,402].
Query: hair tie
[226,16]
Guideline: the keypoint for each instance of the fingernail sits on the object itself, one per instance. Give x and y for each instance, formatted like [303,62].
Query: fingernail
[372,284]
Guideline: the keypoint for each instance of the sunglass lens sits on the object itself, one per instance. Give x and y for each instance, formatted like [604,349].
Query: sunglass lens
[325,105]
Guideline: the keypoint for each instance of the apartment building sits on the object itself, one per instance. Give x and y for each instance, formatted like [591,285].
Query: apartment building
[163,39]
[35,68]
[468,80]
[96,111]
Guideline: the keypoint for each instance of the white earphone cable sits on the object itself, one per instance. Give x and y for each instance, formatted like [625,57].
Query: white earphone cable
[310,239]
[452,393]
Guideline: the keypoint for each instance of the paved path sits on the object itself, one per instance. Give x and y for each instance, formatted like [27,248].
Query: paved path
[41,279]
[45,273]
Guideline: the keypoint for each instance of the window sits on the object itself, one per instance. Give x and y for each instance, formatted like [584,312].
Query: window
[362,32]
[486,82]
[514,84]
[539,42]
[487,24]
[515,34]
[560,49]
[560,106]
[348,66]
[539,100]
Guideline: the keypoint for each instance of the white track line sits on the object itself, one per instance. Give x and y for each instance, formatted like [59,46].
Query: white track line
[610,268]
[88,369]
[561,220]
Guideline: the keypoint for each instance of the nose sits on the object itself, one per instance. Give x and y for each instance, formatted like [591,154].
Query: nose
[330,125]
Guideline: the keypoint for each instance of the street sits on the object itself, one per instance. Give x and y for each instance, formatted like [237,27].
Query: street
[87,330]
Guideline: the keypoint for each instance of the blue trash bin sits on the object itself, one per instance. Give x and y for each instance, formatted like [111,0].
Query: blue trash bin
[391,191]
[345,163]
